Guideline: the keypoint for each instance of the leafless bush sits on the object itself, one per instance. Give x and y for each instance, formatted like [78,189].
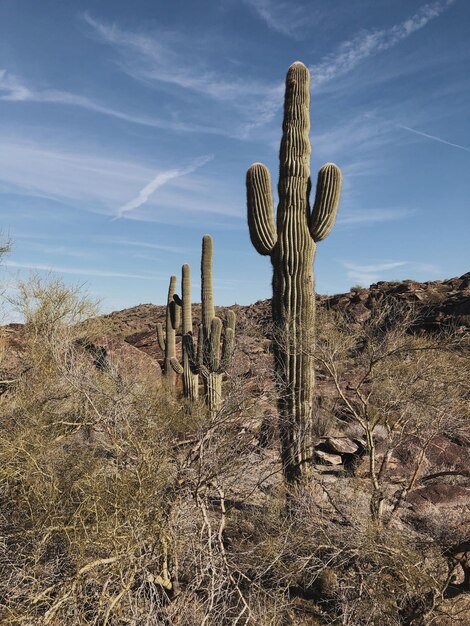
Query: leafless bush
[400,389]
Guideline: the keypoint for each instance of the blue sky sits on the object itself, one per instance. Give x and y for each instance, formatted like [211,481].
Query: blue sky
[126,129]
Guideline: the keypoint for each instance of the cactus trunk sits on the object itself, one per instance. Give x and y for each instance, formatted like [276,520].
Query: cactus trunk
[190,378]
[293,310]
[293,303]
[213,390]
[211,327]
[291,245]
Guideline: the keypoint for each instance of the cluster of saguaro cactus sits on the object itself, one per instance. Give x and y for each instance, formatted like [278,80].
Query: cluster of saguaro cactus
[291,245]
[213,353]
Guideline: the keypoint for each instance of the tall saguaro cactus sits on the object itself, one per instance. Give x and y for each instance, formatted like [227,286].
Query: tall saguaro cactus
[167,338]
[291,244]
[189,368]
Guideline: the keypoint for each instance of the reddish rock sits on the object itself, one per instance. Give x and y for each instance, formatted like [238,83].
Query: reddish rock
[440,494]
[112,353]
[444,454]
[328,459]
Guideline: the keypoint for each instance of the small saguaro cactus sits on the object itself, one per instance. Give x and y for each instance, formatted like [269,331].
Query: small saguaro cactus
[167,338]
[214,352]
[188,369]
[291,244]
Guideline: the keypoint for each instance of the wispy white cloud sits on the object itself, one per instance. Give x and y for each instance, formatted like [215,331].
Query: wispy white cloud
[367,274]
[59,175]
[283,16]
[14,89]
[155,60]
[63,251]
[77,270]
[360,139]
[375,267]
[429,268]
[119,241]
[37,243]
[433,137]
[374,216]
[160,179]
[360,132]
[350,53]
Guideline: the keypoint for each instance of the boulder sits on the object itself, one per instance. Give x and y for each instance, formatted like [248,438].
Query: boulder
[328,459]
[438,495]
[114,354]
[341,445]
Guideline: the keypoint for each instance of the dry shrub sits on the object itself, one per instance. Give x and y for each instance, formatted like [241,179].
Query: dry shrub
[122,505]
[86,477]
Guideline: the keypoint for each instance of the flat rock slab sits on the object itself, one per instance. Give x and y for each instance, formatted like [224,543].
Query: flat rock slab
[341,445]
[439,495]
[327,458]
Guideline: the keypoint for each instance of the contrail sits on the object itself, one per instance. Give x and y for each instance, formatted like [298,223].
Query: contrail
[160,179]
[448,143]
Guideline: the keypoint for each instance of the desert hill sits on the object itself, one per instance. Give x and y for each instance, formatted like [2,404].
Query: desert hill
[439,303]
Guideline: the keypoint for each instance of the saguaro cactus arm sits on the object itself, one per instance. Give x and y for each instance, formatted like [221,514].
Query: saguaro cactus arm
[191,351]
[183,310]
[161,337]
[175,315]
[327,197]
[260,208]
[187,368]
[200,347]
[213,358]
[229,341]
[166,338]
[186,299]
[175,364]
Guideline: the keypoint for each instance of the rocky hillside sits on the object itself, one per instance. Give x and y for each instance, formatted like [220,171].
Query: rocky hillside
[438,303]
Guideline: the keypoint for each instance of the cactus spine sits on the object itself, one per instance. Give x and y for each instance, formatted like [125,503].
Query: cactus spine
[189,369]
[291,245]
[167,338]
[214,351]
